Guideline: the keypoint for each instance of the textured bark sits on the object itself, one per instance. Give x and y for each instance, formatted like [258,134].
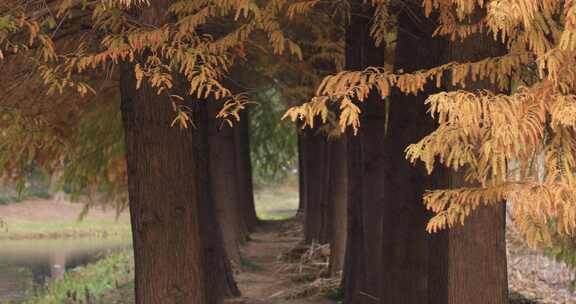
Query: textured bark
[406,244]
[316,217]
[165,191]
[337,197]
[219,270]
[354,265]
[244,170]
[224,181]
[361,276]
[465,264]
[477,271]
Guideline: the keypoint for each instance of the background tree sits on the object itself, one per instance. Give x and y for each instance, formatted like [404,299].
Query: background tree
[365,163]
[483,131]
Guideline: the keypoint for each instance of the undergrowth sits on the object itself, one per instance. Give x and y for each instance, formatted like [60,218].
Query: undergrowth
[85,284]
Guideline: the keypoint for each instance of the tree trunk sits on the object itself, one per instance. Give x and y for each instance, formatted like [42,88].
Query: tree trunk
[165,190]
[365,195]
[244,170]
[477,270]
[316,217]
[465,264]
[406,262]
[301,174]
[337,197]
[219,268]
[224,181]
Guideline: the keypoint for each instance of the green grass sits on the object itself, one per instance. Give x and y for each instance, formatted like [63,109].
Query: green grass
[62,229]
[91,281]
[276,203]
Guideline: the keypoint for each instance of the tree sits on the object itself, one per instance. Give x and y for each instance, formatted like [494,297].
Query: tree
[364,170]
[482,131]
[407,266]
[166,55]
[164,206]
[476,262]
[216,258]
[338,199]
[244,170]
[225,183]
[316,162]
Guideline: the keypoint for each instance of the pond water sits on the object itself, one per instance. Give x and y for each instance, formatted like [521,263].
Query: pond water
[26,265]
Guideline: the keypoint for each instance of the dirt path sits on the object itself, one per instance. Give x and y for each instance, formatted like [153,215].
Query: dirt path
[262,283]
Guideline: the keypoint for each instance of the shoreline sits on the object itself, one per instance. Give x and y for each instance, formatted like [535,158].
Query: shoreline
[51,219]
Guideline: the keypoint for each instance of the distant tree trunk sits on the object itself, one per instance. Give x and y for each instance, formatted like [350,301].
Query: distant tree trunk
[406,251]
[301,174]
[338,200]
[219,269]
[477,270]
[316,220]
[244,170]
[224,181]
[365,174]
[165,190]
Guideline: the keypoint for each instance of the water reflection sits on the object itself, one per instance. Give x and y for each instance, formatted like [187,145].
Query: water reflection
[26,265]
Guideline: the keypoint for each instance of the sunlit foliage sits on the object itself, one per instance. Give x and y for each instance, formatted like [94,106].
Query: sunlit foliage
[61,58]
[482,132]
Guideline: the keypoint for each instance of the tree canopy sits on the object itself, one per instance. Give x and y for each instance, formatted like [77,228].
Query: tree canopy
[72,48]
[485,132]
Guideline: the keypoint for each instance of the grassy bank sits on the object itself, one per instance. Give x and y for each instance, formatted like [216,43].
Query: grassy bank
[90,283]
[48,219]
[18,230]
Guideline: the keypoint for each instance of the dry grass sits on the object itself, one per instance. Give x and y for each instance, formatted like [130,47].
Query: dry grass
[308,268]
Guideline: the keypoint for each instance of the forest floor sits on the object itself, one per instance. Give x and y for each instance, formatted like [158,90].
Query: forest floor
[260,278]
[265,279]
[266,275]
[535,277]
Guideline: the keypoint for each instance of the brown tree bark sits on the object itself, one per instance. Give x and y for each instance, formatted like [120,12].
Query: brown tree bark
[165,191]
[244,170]
[316,217]
[477,270]
[365,163]
[466,264]
[338,200]
[406,247]
[224,182]
[219,269]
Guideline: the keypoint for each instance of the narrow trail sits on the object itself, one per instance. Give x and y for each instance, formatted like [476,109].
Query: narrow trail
[262,283]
